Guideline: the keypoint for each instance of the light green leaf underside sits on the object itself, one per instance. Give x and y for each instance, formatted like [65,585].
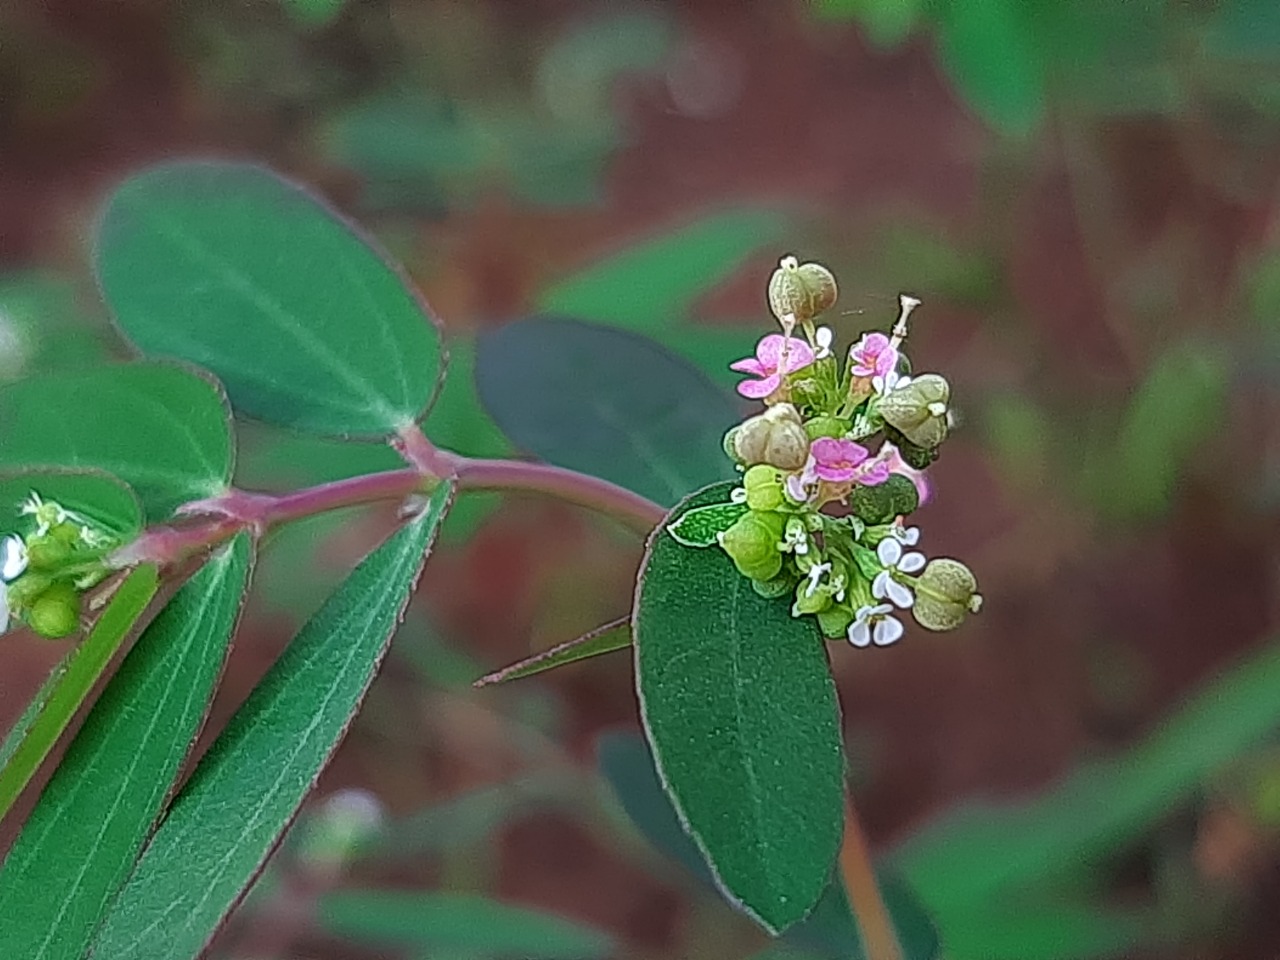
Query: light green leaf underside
[238,270]
[701,526]
[94,816]
[740,710]
[231,813]
[158,427]
[75,678]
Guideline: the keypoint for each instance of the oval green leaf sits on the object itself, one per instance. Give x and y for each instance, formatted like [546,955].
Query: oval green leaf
[606,402]
[63,693]
[230,815]
[740,709]
[247,274]
[471,925]
[159,427]
[83,836]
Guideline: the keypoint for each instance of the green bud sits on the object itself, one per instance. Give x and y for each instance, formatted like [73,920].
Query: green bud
[807,602]
[913,456]
[779,586]
[56,612]
[826,427]
[801,290]
[24,591]
[775,437]
[834,621]
[946,592]
[763,484]
[67,533]
[919,410]
[729,444]
[752,544]
[895,497]
[48,552]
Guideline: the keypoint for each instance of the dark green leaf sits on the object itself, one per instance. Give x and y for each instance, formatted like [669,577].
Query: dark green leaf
[441,921]
[996,62]
[92,819]
[606,402]
[605,639]
[159,427]
[740,709]
[228,818]
[247,274]
[700,527]
[76,677]
[654,284]
[92,495]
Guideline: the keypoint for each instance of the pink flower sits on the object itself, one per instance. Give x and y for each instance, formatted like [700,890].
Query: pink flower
[891,458]
[768,364]
[873,357]
[835,460]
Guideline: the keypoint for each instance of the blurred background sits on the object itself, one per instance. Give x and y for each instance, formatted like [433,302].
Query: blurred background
[1083,194]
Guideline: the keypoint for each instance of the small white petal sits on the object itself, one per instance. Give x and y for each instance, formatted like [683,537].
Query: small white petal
[4,607]
[887,631]
[860,634]
[795,488]
[13,558]
[898,594]
[889,552]
[815,574]
[879,384]
[738,495]
[909,536]
[879,588]
[822,337]
[911,563]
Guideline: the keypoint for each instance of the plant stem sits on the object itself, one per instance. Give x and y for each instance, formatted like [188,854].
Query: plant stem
[874,923]
[206,523]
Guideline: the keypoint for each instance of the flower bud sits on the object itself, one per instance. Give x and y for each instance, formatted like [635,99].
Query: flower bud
[826,427]
[801,290]
[48,552]
[919,410]
[775,437]
[752,544]
[834,621]
[56,612]
[809,602]
[24,591]
[945,592]
[896,497]
[763,484]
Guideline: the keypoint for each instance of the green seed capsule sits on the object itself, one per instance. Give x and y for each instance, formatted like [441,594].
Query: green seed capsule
[48,552]
[801,290]
[752,544]
[56,612]
[946,592]
[826,427]
[919,410]
[763,484]
[775,437]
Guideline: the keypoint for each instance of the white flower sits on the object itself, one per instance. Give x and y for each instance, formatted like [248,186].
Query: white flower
[907,536]
[822,341]
[795,538]
[815,574]
[890,381]
[4,606]
[46,512]
[875,625]
[885,587]
[13,558]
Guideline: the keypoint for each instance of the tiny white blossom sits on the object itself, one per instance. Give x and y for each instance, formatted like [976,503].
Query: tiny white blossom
[907,536]
[875,625]
[822,340]
[885,587]
[815,574]
[738,495]
[795,539]
[890,381]
[46,512]
[13,558]
[4,606]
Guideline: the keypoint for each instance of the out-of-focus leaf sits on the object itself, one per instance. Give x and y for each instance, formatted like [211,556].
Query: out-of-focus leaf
[75,678]
[94,495]
[314,13]
[712,349]
[229,816]
[653,284]
[1244,30]
[234,268]
[443,921]
[606,402]
[158,427]
[1059,930]
[606,639]
[43,328]
[996,61]
[739,706]
[982,853]
[92,819]
[886,22]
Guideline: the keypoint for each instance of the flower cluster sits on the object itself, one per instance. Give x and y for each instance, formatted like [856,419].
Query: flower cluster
[832,468]
[44,572]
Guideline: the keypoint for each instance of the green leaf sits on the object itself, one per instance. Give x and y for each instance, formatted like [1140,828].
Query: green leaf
[606,402]
[441,921]
[994,58]
[93,495]
[740,710]
[605,639]
[43,327]
[75,678]
[233,268]
[1059,930]
[159,427]
[980,854]
[81,840]
[314,13]
[230,815]
[830,931]
[701,526]
[655,283]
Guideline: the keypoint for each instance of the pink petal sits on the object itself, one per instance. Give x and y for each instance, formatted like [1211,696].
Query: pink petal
[759,389]
[834,474]
[749,365]
[800,356]
[769,350]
